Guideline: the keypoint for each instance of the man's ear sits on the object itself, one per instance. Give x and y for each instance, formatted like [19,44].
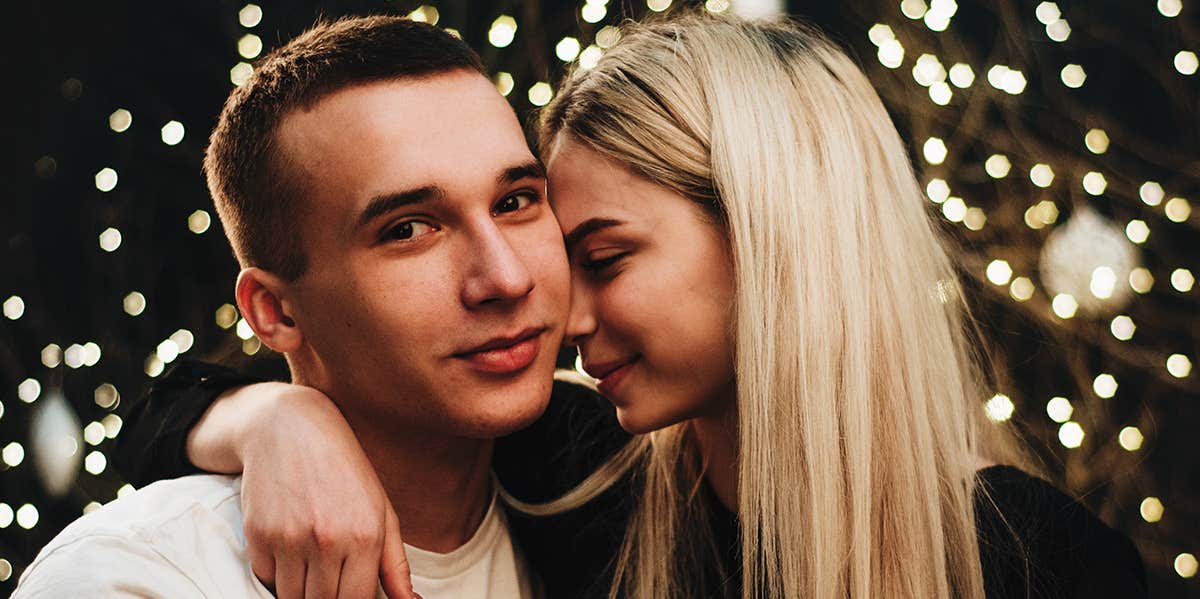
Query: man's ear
[262,299]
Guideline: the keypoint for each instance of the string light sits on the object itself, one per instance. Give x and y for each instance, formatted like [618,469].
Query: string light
[1179,366]
[1059,30]
[891,54]
[120,120]
[1186,62]
[240,73]
[1170,8]
[1137,231]
[999,272]
[250,15]
[1064,305]
[106,179]
[594,12]
[590,56]
[1122,327]
[27,516]
[95,462]
[607,37]
[249,46]
[1021,289]
[1073,76]
[1047,13]
[1094,183]
[937,190]
[112,425]
[658,5]
[1185,565]
[7,516]
[13,454]
[540,93]
[110,240]
[134,303]
[1105,385]
[1182,280]
[954,209]
[913,9]
[1130,438]
[934,150]
[226,316]
[999,408]
[502,31]
[1059,409]
[106,396]
[93,433]
[425,14]
[172,133]
[1178,210]
[504,83]
[1071,434]
[14,307]
[1151,193]
[961,75]
[567,49]
[1151,509]
[51,355]
[1096,141]
[1140,280]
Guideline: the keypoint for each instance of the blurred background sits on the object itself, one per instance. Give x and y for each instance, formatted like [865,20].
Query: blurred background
[1057,143]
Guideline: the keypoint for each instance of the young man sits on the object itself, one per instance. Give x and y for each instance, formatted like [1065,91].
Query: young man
[397,247]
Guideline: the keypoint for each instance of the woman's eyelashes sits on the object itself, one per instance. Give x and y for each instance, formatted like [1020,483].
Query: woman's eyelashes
[602,262]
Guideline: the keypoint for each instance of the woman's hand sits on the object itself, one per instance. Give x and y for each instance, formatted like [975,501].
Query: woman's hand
[317,520]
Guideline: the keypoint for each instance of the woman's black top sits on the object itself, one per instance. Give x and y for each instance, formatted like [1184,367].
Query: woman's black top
[1034,542]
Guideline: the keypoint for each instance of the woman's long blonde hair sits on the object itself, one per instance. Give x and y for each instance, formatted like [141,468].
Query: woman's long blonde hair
[856,391]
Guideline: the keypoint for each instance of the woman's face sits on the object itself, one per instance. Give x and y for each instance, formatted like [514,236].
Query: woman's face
[651,291]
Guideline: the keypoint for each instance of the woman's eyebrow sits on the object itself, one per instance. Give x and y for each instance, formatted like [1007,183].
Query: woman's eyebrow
[586,228]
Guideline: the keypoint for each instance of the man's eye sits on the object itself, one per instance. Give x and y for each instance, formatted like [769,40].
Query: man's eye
[515,202]
[409,229]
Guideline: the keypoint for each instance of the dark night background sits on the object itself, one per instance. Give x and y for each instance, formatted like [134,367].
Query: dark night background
[67,66]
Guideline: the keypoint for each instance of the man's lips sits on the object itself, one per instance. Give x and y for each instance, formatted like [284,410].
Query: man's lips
[505,354]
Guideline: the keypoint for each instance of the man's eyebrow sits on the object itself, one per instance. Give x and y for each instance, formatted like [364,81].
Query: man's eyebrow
[385,203]
[588,227]
[530,170]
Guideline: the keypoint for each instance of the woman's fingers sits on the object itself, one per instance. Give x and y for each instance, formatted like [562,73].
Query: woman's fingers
[393,566]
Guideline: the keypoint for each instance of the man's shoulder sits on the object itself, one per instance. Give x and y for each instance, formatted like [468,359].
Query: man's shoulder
[182,537]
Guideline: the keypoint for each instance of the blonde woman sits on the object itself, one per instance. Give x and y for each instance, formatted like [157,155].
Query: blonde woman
[759,289]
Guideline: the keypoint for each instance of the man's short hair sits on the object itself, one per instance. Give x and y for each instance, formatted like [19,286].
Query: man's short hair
[258,200]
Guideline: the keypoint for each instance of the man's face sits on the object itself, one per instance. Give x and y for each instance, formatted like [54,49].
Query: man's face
[437,285]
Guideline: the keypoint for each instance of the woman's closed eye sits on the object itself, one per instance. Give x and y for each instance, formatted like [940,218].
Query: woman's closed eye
[601,262]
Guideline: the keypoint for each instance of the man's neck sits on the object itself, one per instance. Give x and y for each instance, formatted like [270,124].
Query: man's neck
[439,486]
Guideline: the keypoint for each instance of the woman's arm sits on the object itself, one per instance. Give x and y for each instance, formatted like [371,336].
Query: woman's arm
[317,521]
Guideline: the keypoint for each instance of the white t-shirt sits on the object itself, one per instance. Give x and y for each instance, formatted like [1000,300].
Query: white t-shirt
[183,538]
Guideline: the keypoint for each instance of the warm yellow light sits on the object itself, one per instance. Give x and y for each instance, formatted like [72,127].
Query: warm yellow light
[1103,282]
[110,239]
[244,331]
[1151,193]
[504,83]
[1096,141]
[51,356]
[106,179]
[954,209]
[153,366]
[937,190]
[891,54]
[928,70]
[1140,280]
[112,425]
[120,120]
[1178,209]
[73,356]
[975,218]
[251,346]
[125,490]
[250,46]
[1094,183]
[1151,509]
[1137,231]
[93,433]
[502,31]
[172,133]
[1073,76]
[1122,327]
[91,353]
[1185,565]
[567,49]
[14,307]
[95,462]
[913,9]
[240,73]
[183,339]
[1170,8]
[540,93]
[880,33]
[607,37]
[590,56]
[1064,305]
[1059,30]
[1059,409]
[226,316]
[997,166]
[1041,175]
[27,516]
[934,150]
[594,13]
[106,396]
[1047,13]
[1071,435]
[199,221]
[1021,289]
[940,93]
[13,454]
[1186,62]
[250,15]
[1182,280]
[167,351]
[134,303]
[1130,438]
[658,5]
[999,272]
[1105,385]
[999,408]
[1179,366]
[961,75]
[425,14]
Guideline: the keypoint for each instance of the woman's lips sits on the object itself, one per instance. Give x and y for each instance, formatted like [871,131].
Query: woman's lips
[608,385]
[507,359]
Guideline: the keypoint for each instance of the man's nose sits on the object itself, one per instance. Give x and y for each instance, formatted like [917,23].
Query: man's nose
[498,274]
